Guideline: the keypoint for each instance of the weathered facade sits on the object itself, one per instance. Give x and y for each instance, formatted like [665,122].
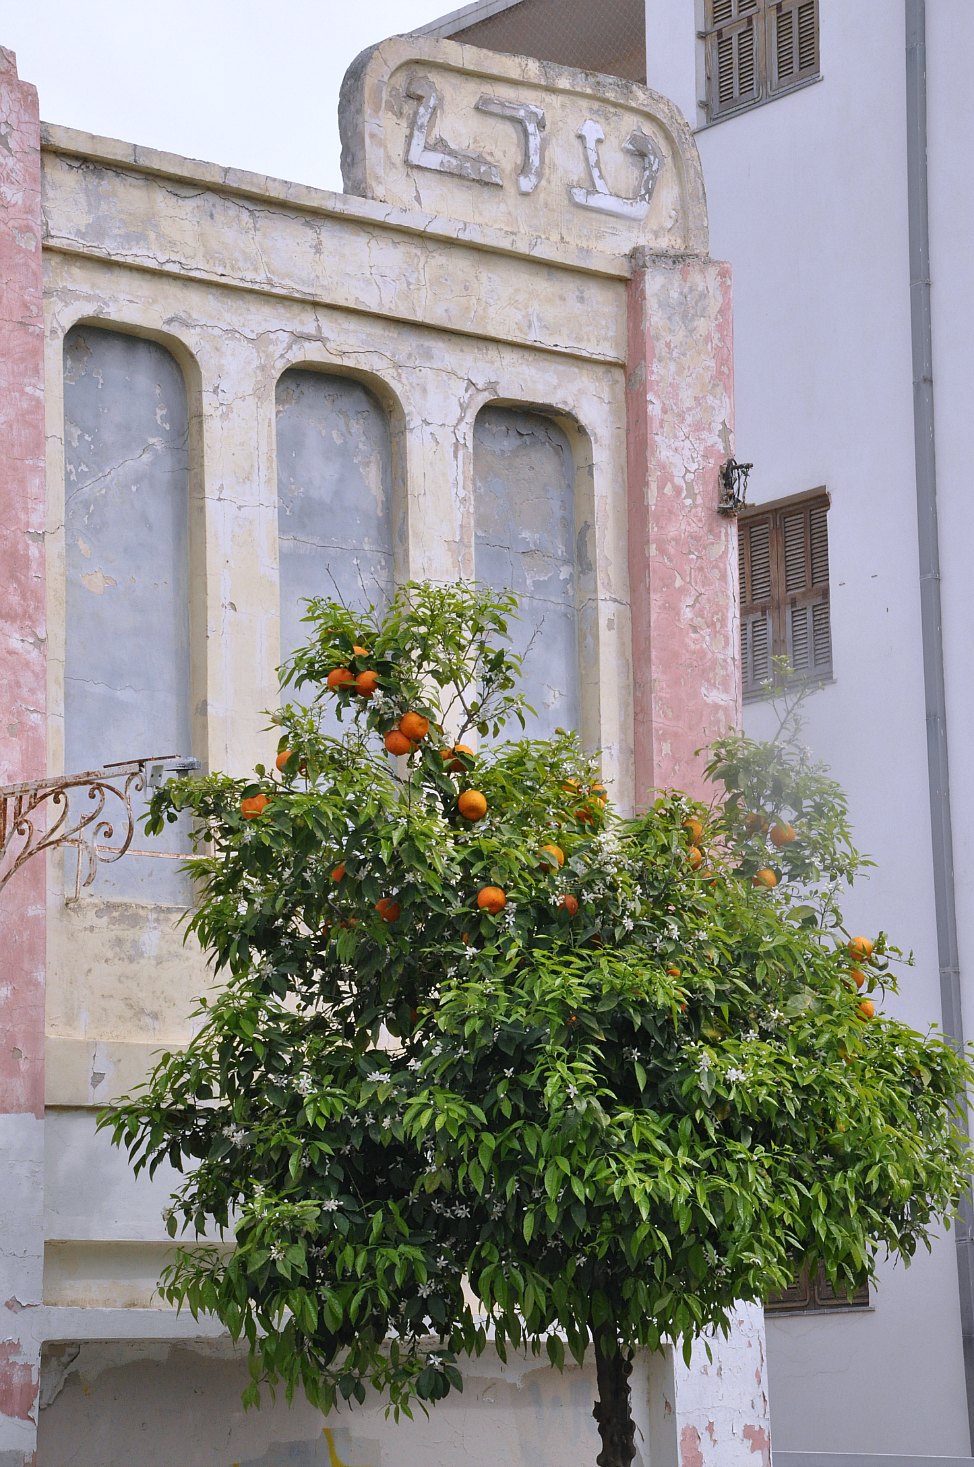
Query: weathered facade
[505,354]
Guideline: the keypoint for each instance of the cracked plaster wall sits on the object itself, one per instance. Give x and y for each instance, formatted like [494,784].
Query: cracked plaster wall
[242,279]
[23,756]
[111,1406]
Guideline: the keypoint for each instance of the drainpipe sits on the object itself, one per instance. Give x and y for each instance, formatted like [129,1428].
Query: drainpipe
[931,620]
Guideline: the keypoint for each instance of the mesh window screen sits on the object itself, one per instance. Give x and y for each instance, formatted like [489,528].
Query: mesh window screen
[609,38]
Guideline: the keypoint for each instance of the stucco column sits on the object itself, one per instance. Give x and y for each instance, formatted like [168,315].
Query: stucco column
[683,572]
[23,756]
[236,521]
[682,554]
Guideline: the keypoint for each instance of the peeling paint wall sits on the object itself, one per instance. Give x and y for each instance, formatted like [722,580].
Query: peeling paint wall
[524,516]
[334,476]
[126,535]
[295,380]
[23,755]
[114,1407]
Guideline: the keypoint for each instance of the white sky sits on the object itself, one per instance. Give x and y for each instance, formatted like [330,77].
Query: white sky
[246,83]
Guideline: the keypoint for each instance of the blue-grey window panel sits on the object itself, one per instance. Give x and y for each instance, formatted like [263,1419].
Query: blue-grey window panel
[524,516]
[127,657]
[334,484]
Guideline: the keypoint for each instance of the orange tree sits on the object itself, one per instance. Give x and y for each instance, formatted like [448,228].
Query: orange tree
[475,1027]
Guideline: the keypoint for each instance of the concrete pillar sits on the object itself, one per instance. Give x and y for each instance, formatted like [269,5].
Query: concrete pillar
[683,569]
[23,756]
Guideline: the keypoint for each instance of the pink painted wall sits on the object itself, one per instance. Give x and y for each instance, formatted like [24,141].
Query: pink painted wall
[23,672]
[682,553]
[23,750]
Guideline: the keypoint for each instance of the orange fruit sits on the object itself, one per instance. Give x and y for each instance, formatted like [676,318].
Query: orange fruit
[694,829]
[861,948]
[858,977]
[337,872]
[783,835]
[866,1009]
[366,683]
[557,858]
[388,908]
[360,651]
[414,726]
[571,785]
[695,857]
[397,743]
[449,757]
[491,899]
[584,817]
[599,793]
[472,805]
[569,904]
[765,877]
[752,822]
[673,971]
[280,763]
[339,677]
[253,806]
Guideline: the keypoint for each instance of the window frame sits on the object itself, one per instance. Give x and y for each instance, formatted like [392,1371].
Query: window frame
[778,605]
[763,19]
[815,1295]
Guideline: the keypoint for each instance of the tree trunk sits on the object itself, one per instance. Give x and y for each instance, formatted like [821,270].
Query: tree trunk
[612,1410]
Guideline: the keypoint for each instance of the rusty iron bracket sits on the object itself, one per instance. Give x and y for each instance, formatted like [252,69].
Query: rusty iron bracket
[733,487]
[45,814]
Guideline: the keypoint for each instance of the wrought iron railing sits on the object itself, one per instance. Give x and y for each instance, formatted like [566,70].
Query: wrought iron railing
[91,811]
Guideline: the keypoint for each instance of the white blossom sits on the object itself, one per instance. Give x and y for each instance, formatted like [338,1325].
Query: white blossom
[736,1075]
[235,1134]
[424,1290]
[304,1084]
[330,1204]
[277,1252]
[376,1076]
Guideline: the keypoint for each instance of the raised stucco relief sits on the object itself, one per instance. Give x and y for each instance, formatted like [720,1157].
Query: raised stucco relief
[542,150]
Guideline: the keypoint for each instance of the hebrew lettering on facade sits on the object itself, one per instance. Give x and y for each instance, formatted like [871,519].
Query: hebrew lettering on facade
[424,151]
[531,120]
[599,196]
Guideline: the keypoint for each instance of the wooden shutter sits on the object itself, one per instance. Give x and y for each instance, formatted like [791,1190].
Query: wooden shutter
[757,581]
[784,585]
[803,531]
[792,43]
[735,60]
[815,1292]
